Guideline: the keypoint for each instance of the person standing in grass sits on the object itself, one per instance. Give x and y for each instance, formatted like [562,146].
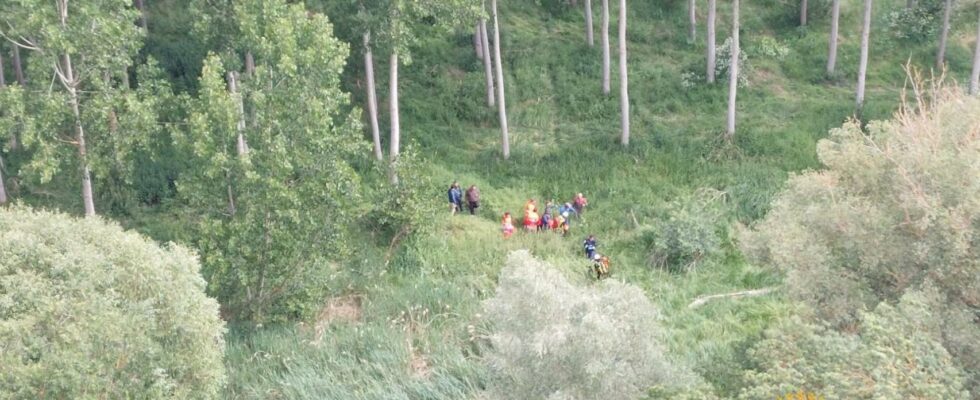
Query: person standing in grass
[507,225]
[472,199]
[545,221]
[590,245]
[566,211]
[579,203]
[455,198]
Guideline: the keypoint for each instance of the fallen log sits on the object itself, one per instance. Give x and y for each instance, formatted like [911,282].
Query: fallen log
[701,300]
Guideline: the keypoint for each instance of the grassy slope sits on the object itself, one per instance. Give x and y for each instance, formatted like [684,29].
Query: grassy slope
[420,313]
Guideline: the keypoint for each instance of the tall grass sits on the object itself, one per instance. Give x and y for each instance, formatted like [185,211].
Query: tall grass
[424,303]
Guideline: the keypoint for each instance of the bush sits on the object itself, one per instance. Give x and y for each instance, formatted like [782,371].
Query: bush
[693,229]
[895,209]
[894,356]
[916,24]
[88,310]
[553,340]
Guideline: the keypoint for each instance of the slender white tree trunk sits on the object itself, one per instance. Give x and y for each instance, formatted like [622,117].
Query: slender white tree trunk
[498,64]
[487,62]
[605,48]
[834,22]
[692,17]
[3,185]
[18,67]
[733,72]
[803,7]
[863,66]
[478,42]
[944,34]
[712,14]
[624,97]
[241,145]
[72,86]
[249,64]
[975,73]
[142,9]
[3,81]
[589,28]
[394,142]
[372,97]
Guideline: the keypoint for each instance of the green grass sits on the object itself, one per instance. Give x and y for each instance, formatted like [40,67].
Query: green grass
[425,302]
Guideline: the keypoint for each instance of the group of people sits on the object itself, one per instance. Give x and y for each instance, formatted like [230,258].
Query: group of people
[456,198]
[554,218]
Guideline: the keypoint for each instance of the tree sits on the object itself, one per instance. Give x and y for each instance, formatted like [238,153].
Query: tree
[83,44]
[796,354]
[487,62]
[944,34]
[975,72]
[274,220]
[834,22]
[624,96]
[712,11]
[692,17]
[733,72]
[88,308]
[498,64]
[605,48]
[863,66]
[589,28]
[372,97]
[553,340]
[803,9]
[18,65]
[888,215]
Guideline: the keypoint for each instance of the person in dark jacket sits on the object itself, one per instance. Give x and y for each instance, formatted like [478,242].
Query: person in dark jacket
[472,199]
[589,244]
[455,198]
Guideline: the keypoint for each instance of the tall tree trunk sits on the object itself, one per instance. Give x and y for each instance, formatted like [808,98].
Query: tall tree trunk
[975,73]
[911,3]
[3,81]
[863,66]
[18,67]
[487,62]
[624,97]
[712,13]
[803,7]
[733,73]
[692,17]
[589,28]
[142,9]
[605,48]
[834,22]
[249,64]
[498,65]
[72,86]
[3,185]
[478,42]
[372,97]
[242,145]
[944,34]
[394,141]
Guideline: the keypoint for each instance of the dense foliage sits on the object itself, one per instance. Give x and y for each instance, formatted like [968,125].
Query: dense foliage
[896,210]
[553,340]
[90,311]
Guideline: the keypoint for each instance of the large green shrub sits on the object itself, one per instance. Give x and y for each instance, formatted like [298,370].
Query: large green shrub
[553,340]
[90,311]
[693,228]
[894,356]
[896,208]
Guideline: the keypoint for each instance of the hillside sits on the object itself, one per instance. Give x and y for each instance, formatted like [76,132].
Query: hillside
[404,315]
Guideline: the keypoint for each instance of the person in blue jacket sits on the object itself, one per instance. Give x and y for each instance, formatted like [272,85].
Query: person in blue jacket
[589,244]
[455,198]
[566,210]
